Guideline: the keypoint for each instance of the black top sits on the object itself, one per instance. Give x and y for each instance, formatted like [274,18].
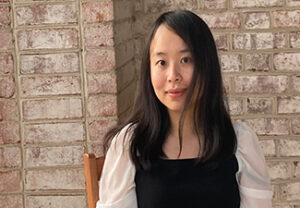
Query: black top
[182,184]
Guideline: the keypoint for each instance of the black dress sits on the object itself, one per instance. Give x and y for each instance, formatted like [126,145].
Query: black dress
[182,184]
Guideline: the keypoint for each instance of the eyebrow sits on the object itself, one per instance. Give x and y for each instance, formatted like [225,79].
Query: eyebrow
[164,54]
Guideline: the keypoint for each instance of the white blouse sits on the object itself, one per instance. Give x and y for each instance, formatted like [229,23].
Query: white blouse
[117,186]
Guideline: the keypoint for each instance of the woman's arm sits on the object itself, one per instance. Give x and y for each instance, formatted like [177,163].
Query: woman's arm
[253,177]
[117,187]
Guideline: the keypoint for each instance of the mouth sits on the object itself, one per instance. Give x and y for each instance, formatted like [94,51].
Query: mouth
[174,93]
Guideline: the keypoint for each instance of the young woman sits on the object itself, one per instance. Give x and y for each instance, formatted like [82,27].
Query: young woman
[179,148]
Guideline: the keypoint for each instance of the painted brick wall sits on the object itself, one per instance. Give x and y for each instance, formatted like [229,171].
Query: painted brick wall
[58,94]
[68,71]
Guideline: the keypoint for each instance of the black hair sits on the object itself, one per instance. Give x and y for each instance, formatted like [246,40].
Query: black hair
[211,119]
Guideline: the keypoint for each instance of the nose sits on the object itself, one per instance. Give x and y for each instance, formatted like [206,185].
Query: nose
[174,73]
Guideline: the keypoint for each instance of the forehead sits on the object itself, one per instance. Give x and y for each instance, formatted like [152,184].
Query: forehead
[165,40]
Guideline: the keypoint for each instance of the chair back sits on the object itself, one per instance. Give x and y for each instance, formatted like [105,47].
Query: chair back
[92,171]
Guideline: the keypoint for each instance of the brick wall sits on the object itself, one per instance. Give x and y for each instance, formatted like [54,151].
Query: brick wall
[68,71]
[259,49]
[58,94]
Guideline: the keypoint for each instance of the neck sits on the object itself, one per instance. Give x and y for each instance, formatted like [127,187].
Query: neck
[187,128]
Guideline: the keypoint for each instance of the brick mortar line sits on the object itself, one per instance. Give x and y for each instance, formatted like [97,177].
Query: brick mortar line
[279,137]
[55,144]
[243,9]
[56,51]
[17,93]
[55,192]
[6,51]
[48,96]
[111,72]
[84,87]
[65,193]
[45,51]
[50,26]
[205,11]
[269,116]
[10,194]
[288,40]
[265,73]
[63,167]
[45,144]
[83,1]
[92,24]
[48,51]
[71,192]
[289,160]
[286,181]
[215,30]
[244,95]
[48,75]
[271,62]
[273,30]
[244,104]
[55,167]
[52,97]
[75,50]
[3,28]
[200,3]
[100,48]
[260,51]
[97,118]
[6,75]
[285,2]
[36,3]
[275,105]
[268,10]
[10,146]
[52,121]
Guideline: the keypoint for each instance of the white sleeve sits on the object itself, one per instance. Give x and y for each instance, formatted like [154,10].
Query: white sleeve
[117,187]
[252,176]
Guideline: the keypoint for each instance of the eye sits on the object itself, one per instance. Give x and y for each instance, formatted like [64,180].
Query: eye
[161,63]
[185,60]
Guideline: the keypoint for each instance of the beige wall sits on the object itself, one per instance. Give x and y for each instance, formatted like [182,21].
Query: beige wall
[68,71]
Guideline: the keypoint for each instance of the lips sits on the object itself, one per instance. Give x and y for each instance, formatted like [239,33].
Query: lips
[174,93]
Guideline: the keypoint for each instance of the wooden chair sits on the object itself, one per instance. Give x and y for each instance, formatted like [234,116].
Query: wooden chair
[92,171]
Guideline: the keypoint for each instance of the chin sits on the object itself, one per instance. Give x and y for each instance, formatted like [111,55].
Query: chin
[174,109]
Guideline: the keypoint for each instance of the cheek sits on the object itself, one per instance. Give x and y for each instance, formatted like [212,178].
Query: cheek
[189,74]
[157,80]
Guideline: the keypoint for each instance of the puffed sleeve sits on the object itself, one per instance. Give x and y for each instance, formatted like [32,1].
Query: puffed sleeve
[117,187]
[252,176]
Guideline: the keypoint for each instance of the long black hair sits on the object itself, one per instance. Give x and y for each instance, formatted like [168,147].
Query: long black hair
[150,120]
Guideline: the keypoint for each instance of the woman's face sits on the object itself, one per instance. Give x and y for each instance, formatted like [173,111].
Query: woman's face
[172,67]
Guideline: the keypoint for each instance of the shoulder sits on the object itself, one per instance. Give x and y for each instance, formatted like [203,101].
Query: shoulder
[123,137]
[248,152]
[248,148]
[245,135]
[242,128]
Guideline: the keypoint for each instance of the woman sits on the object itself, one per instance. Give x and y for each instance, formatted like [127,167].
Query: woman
[179,148]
